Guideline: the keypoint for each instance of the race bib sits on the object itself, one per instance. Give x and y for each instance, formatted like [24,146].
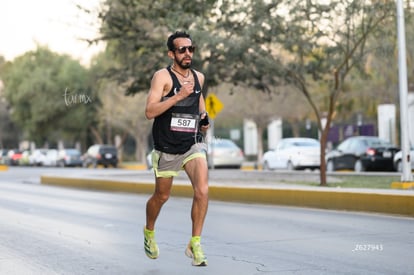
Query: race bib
[184,123]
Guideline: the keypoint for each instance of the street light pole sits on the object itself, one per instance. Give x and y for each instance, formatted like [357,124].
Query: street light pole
[403,90]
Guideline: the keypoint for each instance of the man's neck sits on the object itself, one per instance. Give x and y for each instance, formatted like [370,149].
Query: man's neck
[181,71]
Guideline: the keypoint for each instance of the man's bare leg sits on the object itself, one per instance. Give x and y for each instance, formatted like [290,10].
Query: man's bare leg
[157,200]
[197,171]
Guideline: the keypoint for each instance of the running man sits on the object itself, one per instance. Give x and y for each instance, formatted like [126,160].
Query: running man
[176,104]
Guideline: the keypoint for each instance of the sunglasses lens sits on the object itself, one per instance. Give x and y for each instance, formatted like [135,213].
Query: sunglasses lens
[182,50]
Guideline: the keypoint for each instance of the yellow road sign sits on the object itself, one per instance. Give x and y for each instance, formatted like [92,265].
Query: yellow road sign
[213,105]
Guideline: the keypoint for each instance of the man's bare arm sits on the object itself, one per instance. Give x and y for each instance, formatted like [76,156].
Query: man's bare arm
[160,84]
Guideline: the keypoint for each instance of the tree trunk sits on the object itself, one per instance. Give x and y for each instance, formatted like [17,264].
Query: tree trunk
[141,142]
[295,128]
[97,135]
[259,145]
[323,141]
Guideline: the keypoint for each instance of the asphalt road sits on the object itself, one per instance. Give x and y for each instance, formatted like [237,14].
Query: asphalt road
[51,230]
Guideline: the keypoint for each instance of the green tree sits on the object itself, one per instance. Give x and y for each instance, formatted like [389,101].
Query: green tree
[314,46]
[8,131]
[242,102]
[49,96]
[136,32]
[119,114]
[325,54]
[310,45]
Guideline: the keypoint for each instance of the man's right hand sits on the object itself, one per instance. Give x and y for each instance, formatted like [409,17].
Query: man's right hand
[187,88]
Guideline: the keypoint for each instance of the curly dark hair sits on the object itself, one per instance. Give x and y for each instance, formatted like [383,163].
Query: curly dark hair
[172,37]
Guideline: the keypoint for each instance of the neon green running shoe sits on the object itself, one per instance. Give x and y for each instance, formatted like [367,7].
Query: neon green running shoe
[150,245]
[195,252]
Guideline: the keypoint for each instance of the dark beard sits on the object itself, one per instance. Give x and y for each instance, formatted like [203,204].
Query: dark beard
[184,66]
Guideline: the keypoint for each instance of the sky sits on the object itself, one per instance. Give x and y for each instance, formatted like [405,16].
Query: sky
[57,24]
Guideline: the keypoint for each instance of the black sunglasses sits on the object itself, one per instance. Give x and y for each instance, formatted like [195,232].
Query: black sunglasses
[181,50]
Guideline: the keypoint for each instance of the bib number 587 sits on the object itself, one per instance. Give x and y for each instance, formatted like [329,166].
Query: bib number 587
[183,123]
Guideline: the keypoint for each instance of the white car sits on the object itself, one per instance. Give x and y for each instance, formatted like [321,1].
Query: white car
[397,160]
[293,154]
[51,158]
[37,158]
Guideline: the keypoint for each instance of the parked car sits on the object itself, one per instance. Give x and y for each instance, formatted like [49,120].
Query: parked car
[69,157]
[24,159]
[397,160]
[51,158]
[293,154]
[14,156]
[224,153]
[3,157]
[98,154]
[37,157]
[362,153]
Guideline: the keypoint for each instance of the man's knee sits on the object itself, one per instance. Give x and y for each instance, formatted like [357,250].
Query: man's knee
[201,192]
[162,197]
[162,189]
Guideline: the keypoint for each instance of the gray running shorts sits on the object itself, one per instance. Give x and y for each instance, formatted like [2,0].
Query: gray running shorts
[168,165]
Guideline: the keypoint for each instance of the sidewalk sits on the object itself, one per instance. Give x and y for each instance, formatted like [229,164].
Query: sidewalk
[247,187]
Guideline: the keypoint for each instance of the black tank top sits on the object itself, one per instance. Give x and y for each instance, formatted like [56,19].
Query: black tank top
[176,130]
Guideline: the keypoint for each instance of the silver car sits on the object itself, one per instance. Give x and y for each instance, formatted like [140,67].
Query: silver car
[224,153]
[69,157]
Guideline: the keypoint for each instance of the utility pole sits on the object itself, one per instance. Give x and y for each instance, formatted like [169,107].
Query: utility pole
[406,176]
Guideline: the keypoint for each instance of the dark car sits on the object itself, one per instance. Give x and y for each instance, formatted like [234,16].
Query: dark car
[362,153]
[69,157]
[98,154]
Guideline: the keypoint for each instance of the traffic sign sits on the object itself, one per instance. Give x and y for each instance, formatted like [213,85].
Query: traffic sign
[213,105]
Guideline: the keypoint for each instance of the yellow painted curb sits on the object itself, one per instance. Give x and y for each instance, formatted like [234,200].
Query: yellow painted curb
[402,185]
[4,167]
[96,184]
[133,166]
[367,202]
[399,204]
[251,167]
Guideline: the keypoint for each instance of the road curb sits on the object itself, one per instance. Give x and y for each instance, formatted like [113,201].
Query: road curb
[396,204]
[402,185]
